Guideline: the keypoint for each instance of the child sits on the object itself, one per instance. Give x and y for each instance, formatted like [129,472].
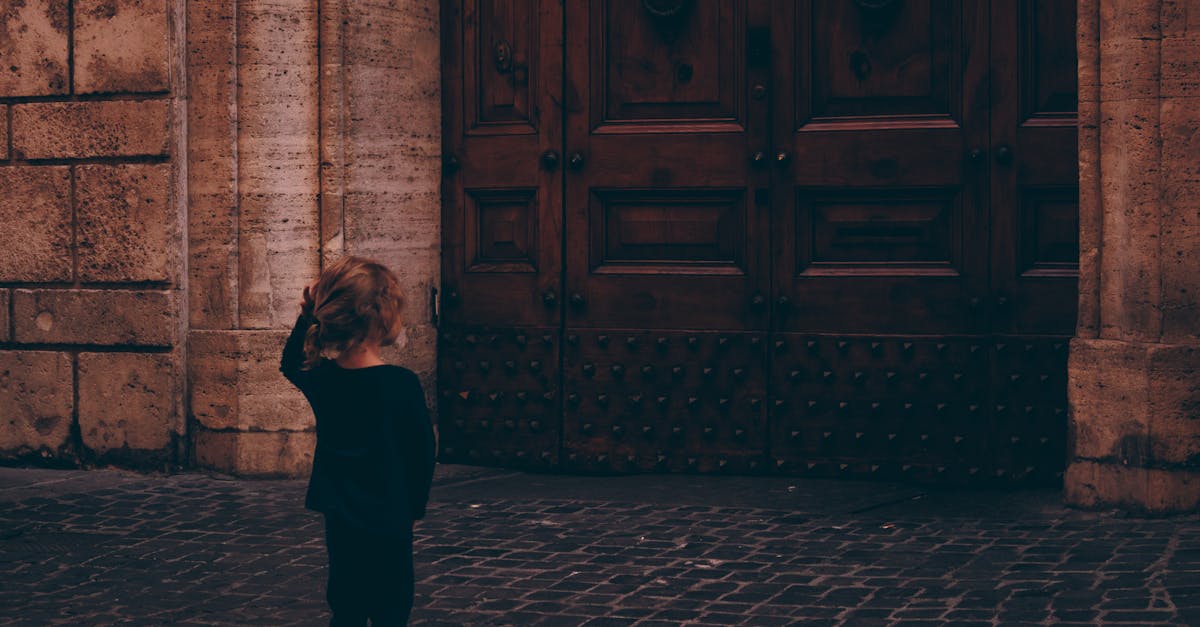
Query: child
[375,450]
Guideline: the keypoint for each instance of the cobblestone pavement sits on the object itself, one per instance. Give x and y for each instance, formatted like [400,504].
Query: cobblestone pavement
[502,548]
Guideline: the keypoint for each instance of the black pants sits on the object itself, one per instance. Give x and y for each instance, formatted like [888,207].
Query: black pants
[369,576]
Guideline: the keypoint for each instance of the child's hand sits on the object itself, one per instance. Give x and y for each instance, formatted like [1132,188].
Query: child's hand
[306,301]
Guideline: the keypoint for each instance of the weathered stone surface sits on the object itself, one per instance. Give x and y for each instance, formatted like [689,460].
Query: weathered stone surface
[1180,236]
[1090,211]
[35,214]
[120,46]
[1135,400]
[236,383]
[103,317]
[278,159]
[5,299]
[1173,374]
[255,454]
[1096,485]
[1181,66]
[71,130]
[392,143]
[36,401]
[1130,297]
[33,47]
[3,132]
[126,228]
[212,165]
[1109,401]
[129,400]
[1135,404]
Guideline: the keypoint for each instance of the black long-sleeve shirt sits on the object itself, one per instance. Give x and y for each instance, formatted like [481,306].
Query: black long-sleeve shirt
[374,459]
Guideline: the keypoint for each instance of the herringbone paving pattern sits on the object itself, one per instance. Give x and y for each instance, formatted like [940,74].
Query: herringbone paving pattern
[108,547]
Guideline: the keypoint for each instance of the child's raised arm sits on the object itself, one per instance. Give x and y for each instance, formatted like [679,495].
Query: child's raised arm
[293,350]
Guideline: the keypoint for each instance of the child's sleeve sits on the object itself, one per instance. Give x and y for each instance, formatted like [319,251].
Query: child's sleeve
[293,350]
[418,446]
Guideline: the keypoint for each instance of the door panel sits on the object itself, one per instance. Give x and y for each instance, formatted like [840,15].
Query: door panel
[502,224]
[662,228]
[666,231]
[1034,168]
[667,70]
[877,214]
[499,377]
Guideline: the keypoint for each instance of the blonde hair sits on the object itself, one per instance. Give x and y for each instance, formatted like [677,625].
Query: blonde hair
[355,300]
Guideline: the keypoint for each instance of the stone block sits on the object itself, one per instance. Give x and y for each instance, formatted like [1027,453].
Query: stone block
[212,166]
[236,384]
[120,46]
[1094,485]
[33,50]
[278,159]
[97,317]
[1108,399]
[36,401]
[255,454]
[3,132]
[129,401]
[73,130]
[1173,379]
[1130,166]
[126,228]
[391,149]
[35,211]
[5,299]
[1135,404]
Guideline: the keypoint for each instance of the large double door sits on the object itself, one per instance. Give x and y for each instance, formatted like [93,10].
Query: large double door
[829,237]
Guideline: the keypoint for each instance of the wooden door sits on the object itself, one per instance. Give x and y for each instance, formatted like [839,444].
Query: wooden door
[500,312]
[904,343]
[827,237]
[880,230]
[666,233]
[1035,230]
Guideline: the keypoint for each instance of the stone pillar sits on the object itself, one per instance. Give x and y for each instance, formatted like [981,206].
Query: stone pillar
[1135,363]
[314,128]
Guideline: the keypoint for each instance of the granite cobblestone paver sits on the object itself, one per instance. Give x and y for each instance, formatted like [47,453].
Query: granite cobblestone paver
[497,548]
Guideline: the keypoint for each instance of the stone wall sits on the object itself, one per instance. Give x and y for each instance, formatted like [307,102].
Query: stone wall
[174,173]
[300,153]
[1135,365]
[91,273]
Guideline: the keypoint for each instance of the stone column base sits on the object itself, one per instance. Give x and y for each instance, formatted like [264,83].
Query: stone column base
[1134,426]
[246,419]
[262,454]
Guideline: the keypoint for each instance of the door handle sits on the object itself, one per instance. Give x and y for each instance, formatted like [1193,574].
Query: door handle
[577,301]
[550,160]
[576,161]
[1004,154]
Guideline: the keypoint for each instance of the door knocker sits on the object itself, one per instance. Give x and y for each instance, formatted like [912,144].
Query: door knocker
[502,56]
